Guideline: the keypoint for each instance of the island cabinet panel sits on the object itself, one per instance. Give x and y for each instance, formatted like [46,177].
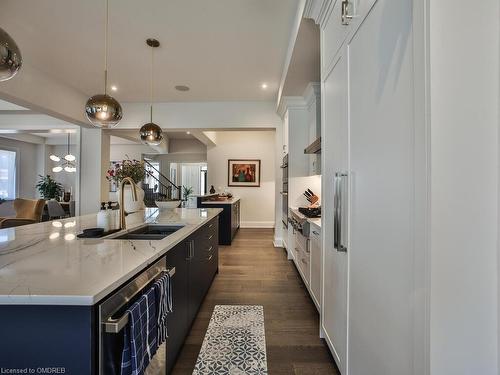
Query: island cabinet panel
[229,218]
[177,321]
[196,263]
[65,339]
[36,339]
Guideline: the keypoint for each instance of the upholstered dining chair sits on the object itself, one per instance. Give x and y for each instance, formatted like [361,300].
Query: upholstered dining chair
[56,211]
[28,211]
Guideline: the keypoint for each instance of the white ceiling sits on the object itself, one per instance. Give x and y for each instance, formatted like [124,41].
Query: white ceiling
[221,49]
[305,64]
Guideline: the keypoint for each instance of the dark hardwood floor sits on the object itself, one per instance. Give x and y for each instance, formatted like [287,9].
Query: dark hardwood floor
[253,272]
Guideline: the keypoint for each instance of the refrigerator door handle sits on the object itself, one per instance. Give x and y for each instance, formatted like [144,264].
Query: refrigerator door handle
[336,212]
[340,178]
[344,199]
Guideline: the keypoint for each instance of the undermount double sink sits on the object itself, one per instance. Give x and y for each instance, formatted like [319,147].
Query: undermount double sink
[147,232]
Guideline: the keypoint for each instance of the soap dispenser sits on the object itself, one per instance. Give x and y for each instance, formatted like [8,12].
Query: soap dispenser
[103,218]
[112,217]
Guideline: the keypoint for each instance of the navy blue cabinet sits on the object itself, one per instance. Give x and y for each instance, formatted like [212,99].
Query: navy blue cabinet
[229,219]
[67,337]
[197,259]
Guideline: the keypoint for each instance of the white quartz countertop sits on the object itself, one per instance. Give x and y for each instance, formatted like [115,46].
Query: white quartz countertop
[232,200]
[46,264]
[315,221]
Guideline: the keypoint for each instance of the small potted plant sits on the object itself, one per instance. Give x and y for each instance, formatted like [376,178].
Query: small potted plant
[187,191]
[49,188]
[136,171]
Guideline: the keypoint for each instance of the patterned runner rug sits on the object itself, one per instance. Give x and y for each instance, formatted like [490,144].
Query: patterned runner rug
[235,342]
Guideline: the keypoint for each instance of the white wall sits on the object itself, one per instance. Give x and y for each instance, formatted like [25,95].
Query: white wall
[192,146]
[120,152]
[464,186]
[95,156]
[257,203]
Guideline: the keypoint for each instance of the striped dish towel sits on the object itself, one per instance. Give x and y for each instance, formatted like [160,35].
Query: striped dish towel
[163,288]
[140,334]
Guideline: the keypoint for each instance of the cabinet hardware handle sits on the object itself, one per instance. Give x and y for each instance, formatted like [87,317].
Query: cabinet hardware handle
[339,211]
[336,211]
[210,248]
[210,257]
[209,238]
[211,225]
[346,17]
[316,233]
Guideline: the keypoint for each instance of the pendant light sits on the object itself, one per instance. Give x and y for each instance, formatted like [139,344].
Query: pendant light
[151,134]
[102,110]
[68,164]
[10,57]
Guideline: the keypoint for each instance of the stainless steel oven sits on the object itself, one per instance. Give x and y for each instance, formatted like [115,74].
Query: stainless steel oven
[284,191]
[113,318]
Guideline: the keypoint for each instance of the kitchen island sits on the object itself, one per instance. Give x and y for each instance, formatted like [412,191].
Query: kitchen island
[229,219]
[52,284]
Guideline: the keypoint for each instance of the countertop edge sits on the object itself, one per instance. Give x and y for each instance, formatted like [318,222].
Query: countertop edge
[89,300]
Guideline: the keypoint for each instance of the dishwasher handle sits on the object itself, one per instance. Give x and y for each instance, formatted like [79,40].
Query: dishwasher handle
[116,325]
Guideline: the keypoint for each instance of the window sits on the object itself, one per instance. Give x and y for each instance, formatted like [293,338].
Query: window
[7,174]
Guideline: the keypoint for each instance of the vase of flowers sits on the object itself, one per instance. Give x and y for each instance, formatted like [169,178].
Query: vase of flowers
[136,171]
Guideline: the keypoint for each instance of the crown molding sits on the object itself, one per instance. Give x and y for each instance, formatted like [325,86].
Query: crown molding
[312,92]
[290,102]
[317,10]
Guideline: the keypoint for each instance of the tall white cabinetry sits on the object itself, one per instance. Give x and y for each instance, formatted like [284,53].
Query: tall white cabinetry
[410,185]
[335,154]
[369,175]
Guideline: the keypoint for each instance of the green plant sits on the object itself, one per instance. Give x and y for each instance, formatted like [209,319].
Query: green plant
[187,192]
[49,188]
[127,168]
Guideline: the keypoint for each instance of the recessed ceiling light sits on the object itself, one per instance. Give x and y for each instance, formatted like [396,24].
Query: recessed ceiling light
[188,132]
[182,88]
[114,88]
[264,86]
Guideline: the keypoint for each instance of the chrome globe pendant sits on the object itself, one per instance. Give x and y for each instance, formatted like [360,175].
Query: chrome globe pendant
[10,57]
[102,110]
[150,133]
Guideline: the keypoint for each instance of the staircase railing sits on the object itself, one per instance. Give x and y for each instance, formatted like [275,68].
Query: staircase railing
[163,187]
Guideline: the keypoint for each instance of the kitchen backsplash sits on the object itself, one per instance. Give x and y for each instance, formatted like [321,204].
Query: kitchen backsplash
[297,186]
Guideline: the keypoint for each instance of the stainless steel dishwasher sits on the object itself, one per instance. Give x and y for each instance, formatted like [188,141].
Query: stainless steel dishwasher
[113,318]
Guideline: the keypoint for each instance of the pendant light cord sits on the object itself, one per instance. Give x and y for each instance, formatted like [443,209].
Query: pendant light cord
[106,49]
[68,143]
[151,93]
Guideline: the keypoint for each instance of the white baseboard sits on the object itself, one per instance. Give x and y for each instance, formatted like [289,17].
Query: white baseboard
[257,224]
[278,242]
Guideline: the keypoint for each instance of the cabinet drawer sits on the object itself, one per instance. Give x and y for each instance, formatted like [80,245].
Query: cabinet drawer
[305,267]
[300,240]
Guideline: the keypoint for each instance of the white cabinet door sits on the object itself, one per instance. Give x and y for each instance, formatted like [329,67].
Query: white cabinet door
[333,35]
[315,247]
[360,8]
[334,154]
[382,192]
